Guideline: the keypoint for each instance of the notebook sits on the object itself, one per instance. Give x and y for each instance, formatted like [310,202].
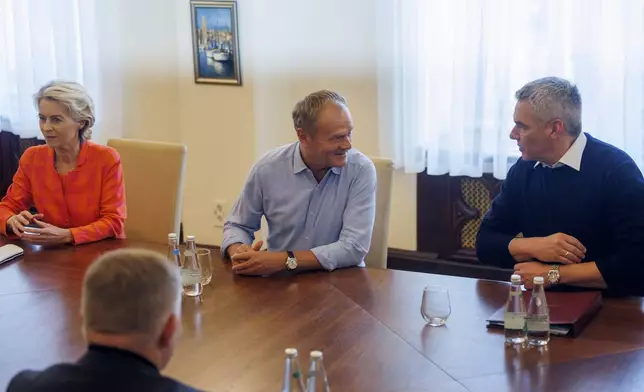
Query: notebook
[570,312]
[10,252]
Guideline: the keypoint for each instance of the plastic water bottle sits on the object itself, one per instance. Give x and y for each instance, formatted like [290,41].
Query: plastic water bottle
[538,319]
[514,322]
[316,379]
[173,250]
[293,379]
[191,271]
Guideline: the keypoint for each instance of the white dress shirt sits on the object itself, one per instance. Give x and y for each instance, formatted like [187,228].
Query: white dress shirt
[572,157]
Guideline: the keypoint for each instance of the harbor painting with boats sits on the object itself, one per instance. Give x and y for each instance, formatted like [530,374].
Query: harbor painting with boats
[215,45]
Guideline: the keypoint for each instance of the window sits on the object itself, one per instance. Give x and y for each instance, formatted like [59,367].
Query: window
[41,41]
[449,70]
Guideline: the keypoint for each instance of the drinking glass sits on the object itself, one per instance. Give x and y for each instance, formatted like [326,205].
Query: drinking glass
[435,307]
[205,261]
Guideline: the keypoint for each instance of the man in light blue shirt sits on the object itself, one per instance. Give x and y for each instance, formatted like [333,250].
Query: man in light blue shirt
[318,196]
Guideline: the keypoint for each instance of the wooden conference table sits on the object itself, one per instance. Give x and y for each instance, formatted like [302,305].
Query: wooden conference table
[367,322]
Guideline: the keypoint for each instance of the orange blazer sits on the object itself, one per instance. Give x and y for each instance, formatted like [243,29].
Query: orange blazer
[89,200]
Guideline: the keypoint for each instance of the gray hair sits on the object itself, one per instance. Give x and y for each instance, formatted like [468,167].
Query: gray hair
[130,291]
[305,112]
[73,96]
[553,97]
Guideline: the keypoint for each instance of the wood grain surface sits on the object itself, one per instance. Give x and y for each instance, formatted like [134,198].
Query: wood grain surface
[367,322]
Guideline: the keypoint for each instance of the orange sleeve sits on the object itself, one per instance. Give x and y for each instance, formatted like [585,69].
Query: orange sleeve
[18,197]
[112,210]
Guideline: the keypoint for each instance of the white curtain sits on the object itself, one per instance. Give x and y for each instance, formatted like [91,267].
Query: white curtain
[43,40]
[448,70]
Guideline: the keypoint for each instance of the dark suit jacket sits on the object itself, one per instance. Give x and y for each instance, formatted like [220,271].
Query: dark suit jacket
[101,369]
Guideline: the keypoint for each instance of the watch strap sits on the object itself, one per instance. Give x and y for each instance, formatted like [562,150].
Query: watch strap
[291,261]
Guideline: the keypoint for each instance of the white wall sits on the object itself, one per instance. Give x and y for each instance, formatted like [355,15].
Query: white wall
[330,44]
[139,65]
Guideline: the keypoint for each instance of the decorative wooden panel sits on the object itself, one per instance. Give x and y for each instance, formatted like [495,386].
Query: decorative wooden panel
[449,211]
[476,197]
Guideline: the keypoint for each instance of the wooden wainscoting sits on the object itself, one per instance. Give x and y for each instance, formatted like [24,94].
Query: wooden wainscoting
[449,213]
[409,260]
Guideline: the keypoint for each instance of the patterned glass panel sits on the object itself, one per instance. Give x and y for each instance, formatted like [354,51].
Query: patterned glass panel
[476,195]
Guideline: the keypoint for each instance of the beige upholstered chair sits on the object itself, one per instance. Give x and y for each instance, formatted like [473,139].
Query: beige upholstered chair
[377,256]
[154,175]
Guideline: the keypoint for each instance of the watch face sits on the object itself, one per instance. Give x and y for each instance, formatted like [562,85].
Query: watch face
[291,263]
[553,276]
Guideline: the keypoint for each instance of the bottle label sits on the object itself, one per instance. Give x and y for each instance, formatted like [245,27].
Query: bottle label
[190,276]
[515,293]
[175,251]
[538,323]
[188,253]
[514,320]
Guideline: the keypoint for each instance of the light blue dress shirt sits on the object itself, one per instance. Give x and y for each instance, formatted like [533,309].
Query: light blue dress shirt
[334,218]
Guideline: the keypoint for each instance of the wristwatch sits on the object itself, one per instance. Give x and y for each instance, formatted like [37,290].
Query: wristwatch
[553,274]
[291,261]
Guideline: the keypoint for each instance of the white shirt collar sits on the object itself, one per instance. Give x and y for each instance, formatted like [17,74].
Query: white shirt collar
[572,157]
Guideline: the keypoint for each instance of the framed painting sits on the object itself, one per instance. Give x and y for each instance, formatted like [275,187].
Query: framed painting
[215,42]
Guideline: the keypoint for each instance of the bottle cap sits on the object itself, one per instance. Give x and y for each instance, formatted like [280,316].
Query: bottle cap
[537,280]
[190,238]
[291,352]
[172,235]
[316,354]
[515,278]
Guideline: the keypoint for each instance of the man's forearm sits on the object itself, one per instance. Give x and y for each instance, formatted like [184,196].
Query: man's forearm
[306,260]
[339,254]
[234,236]
[492,247]
[232,249]
[583,274]
[520,249]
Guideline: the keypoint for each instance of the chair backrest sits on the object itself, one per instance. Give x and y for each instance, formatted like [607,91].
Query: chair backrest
[377,255]
[154,173]
[12,147]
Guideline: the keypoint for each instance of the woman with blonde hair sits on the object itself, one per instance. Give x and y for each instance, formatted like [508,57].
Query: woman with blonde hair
[75,185]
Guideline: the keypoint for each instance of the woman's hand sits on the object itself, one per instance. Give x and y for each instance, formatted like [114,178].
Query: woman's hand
[17,223]
[47,234]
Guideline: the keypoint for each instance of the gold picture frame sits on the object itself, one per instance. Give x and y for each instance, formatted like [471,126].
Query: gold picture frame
[215,42]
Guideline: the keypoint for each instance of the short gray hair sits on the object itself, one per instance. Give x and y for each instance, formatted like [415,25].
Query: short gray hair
[305,112]
[130,291]
[73,96]
[553,97]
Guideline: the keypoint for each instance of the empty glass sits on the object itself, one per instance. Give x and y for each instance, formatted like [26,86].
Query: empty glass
[205,261]
[435,307]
